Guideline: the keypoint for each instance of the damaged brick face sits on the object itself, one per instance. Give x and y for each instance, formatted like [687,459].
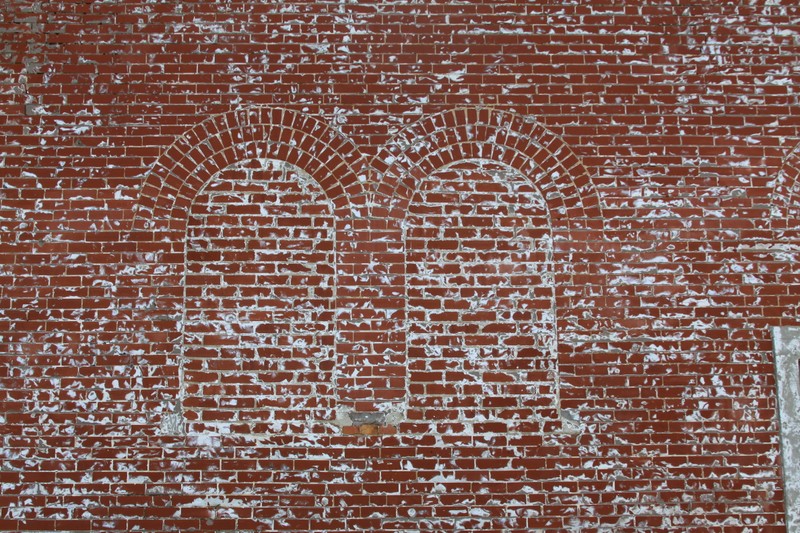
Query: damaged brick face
[400,266]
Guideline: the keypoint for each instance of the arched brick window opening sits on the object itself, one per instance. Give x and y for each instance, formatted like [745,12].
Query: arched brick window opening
[258,348]
[481,301]
[249,350]
[450,181]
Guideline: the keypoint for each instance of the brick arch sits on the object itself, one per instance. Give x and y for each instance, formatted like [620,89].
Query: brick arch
[158,231]
[248,133]
[482,133]
[785,201]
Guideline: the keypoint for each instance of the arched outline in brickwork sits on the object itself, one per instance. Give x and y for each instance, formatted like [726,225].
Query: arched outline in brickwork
[463,134]
[482,133]
[249,133]
[785,201]
[185,167]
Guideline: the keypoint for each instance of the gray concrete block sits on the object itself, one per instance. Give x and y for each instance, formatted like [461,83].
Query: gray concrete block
[787,371]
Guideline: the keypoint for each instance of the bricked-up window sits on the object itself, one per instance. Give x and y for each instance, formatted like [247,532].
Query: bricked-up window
[258,343]
[481,301]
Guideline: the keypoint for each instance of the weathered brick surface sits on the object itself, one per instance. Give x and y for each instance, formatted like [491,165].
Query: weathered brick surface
[259,301]
[395,266]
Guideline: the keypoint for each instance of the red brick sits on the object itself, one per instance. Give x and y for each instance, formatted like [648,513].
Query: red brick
[545,242]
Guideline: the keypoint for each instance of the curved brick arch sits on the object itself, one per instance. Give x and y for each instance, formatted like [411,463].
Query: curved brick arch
[785,201]
[255,132]
[179,176]
[471,133]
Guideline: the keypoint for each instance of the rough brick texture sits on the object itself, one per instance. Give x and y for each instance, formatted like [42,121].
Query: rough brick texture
[395,266]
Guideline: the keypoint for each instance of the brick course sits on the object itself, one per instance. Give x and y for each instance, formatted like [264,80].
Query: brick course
[395,266]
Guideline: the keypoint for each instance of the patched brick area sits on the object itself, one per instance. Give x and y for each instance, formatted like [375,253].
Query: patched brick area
[259,307]
[481,301]
[396,266]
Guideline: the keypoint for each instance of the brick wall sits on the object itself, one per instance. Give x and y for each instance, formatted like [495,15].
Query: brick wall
[397,266]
